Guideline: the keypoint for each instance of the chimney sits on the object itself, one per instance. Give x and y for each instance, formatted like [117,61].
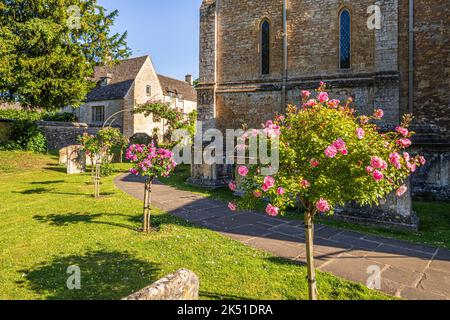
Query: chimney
[189,79]
[106,80]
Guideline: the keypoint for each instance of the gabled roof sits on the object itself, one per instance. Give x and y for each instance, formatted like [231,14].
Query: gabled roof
[178,87]
[123,75]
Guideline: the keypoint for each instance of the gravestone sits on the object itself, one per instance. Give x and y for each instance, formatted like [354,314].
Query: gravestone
[393,213]
[76,159]
[183,285]
[63,156]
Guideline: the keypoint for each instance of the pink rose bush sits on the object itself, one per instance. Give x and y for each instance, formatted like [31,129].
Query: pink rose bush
[150,161]
[330,156]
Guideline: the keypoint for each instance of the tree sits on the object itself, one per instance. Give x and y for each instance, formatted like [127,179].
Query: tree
[49,48]
[100,148]
[150,162]
[329,156]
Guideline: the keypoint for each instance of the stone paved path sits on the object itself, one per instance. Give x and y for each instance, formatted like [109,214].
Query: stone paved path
[409,271]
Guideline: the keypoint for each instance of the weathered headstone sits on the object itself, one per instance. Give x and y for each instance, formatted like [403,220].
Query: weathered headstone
[183,285]
[76,160]
[394,213]
[63,156]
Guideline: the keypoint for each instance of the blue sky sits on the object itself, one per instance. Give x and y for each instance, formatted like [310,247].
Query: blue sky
[167,30]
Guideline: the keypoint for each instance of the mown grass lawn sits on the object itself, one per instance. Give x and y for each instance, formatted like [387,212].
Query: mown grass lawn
[434,216]
[49,221]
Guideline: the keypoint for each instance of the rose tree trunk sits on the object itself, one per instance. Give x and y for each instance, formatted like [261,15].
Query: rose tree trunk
[147,205]
[309,235]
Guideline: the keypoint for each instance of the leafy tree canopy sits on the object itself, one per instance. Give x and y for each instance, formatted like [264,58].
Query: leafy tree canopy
[49,48]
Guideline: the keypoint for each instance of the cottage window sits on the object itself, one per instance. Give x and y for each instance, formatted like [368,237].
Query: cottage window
[265,47]
[98,114]
[149,90]
[345,39]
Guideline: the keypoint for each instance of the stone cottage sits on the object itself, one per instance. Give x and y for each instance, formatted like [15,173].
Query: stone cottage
[256,56]
[127,84]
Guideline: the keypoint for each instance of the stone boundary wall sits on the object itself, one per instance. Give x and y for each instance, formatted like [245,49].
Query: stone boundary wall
[63,134]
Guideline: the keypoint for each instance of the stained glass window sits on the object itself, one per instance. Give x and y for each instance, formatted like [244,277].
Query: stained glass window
[345,36]
[265,47]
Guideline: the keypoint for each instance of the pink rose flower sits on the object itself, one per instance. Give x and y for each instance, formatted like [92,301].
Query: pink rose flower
[232,185]
[281,191]
[401,191]
[344,152]
[412,167]
[369,169]
[272,210]
[377,162]
[331,152]
[243,171]
[422,160]
[360,133]
[134,171]
[305,184]
[323,206]
[394,158]
[232,206]
[333,103]
[379,114]
[378,176]
[269,182]
[257,194]
[314,163]
[339,144]
[403,131]
[323,97]
[406,156]
[265,188]
[405,143]
[306,94]
[384,165]
[311,103]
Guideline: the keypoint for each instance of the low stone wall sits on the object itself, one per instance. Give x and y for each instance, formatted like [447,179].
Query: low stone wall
[63,134]
[183,285]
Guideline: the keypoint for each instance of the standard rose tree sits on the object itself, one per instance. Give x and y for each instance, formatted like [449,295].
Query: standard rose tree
[99,148]
[329,156]
[150,162]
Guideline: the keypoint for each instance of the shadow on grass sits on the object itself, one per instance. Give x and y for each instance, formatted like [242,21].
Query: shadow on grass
[67,219]
[34,191]
[50,191]
[218,296]
[57,169]
[105,275]
[47,182]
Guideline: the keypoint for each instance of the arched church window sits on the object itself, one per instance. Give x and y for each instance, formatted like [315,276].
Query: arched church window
[265,47]
[345,39]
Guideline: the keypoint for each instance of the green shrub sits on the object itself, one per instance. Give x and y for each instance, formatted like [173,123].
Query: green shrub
[13,114]
[106,169]
[60,117]
[25,135]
